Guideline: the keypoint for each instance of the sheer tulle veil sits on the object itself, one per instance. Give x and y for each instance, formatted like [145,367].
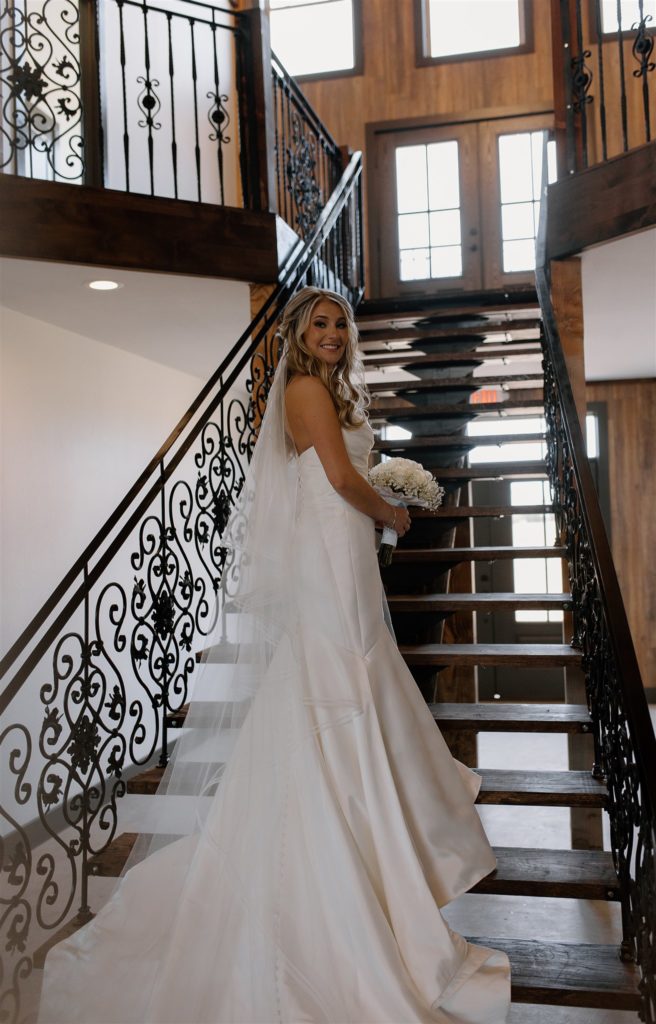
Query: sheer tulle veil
[256,609]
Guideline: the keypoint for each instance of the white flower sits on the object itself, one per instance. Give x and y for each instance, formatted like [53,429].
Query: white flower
[403,476]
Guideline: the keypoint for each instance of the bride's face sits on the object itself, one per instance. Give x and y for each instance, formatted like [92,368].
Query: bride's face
[327,333]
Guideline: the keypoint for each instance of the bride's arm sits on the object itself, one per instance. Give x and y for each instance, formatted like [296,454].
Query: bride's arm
[309,401]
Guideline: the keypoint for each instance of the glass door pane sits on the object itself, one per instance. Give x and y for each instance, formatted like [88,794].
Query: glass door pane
[426,238]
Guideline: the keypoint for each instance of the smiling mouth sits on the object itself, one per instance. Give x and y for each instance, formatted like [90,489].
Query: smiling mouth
[334,348]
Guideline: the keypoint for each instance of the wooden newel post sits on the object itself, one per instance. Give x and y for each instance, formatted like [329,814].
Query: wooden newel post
[92,133]
[257,114]
[569,147]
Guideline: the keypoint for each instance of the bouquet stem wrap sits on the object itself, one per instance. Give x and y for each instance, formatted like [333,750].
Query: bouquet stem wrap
[390,536]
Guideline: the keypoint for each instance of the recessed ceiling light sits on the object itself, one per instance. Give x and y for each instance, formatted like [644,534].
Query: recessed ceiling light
[104,286]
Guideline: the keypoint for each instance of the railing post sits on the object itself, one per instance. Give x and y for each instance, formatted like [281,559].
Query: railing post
[92,133]
[257,114]
[568,141]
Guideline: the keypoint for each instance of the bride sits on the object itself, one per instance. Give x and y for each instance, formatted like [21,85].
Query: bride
[330,820]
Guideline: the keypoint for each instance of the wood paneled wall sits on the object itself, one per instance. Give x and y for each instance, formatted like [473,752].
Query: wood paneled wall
[392,87]
[631,409]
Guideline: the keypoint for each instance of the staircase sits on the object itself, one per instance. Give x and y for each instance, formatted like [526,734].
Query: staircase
[434,615]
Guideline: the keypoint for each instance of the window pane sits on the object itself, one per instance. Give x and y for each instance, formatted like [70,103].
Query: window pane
[630,13]
[294,26]
[446,262]
[413,231]
[592,435]
[443,175]
[515,168]
[469,26]
[414,264]
[445,227]
[517,221]
[519,255]
[411,183]
[530,575]
[527,492]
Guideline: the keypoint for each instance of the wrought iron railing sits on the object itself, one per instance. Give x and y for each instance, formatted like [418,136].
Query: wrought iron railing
[172,98]
[605,93]
[308,160]
[90,684]
[624,743]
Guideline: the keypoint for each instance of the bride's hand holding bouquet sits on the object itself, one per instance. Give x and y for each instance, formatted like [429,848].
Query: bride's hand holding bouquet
[403,482]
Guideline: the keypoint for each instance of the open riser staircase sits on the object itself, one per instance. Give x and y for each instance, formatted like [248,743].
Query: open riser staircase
[432,612]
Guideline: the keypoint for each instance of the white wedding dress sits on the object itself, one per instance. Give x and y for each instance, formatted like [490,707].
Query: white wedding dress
[341,826]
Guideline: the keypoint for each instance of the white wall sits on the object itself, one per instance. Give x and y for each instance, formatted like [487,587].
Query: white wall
[619,308]
[79,421]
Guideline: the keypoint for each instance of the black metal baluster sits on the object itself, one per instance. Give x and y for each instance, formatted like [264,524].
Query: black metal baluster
[84,911]
[164,636]
[600,71]
[148,103]
[288,155]
[277,143]
[174,143]
[643,48]
[623,106]
[194,76]
[126,135]
[582,82]
[218,113]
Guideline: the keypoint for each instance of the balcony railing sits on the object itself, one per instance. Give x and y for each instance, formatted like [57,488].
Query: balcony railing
[171,98]
[604,83]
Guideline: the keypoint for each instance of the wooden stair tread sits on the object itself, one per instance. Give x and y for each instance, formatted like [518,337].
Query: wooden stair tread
[378,411]
[479,554]
[456,441]
[437,383]
[147,781]
[486,328]
[480,511]
[487,470]
[476,602]
[568,974]
[110,862]
[495,716]
[410,357]
[571,874]
[490,654]
[540,788]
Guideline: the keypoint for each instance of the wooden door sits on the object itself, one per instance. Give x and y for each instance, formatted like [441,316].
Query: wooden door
[428,230]
[454,208]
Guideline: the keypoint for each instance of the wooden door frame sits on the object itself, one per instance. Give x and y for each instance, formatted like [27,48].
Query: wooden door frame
[375,129]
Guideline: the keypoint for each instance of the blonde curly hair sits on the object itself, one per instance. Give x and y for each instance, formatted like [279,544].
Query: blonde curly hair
[345,380]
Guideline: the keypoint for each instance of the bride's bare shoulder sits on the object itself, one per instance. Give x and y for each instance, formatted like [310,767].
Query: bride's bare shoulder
[303,386]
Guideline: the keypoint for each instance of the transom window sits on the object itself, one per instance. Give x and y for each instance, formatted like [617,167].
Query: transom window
[454,29]
[314,37]
[629,13]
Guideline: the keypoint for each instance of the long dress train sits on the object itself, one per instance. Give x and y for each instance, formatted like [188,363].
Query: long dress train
[341,827]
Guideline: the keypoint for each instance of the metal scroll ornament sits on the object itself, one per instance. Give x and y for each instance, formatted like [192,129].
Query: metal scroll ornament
[643,47]
[41,111]
[301,178]
[581,81]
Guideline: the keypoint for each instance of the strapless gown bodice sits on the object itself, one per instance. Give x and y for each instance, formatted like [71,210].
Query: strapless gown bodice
[314,484]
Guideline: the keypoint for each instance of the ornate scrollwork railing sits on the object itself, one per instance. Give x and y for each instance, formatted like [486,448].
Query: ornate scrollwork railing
[168,122]
[624,743]
[89,687]
[608,77]
[308,161]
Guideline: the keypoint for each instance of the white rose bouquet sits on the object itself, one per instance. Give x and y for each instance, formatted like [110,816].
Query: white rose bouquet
[403,482]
